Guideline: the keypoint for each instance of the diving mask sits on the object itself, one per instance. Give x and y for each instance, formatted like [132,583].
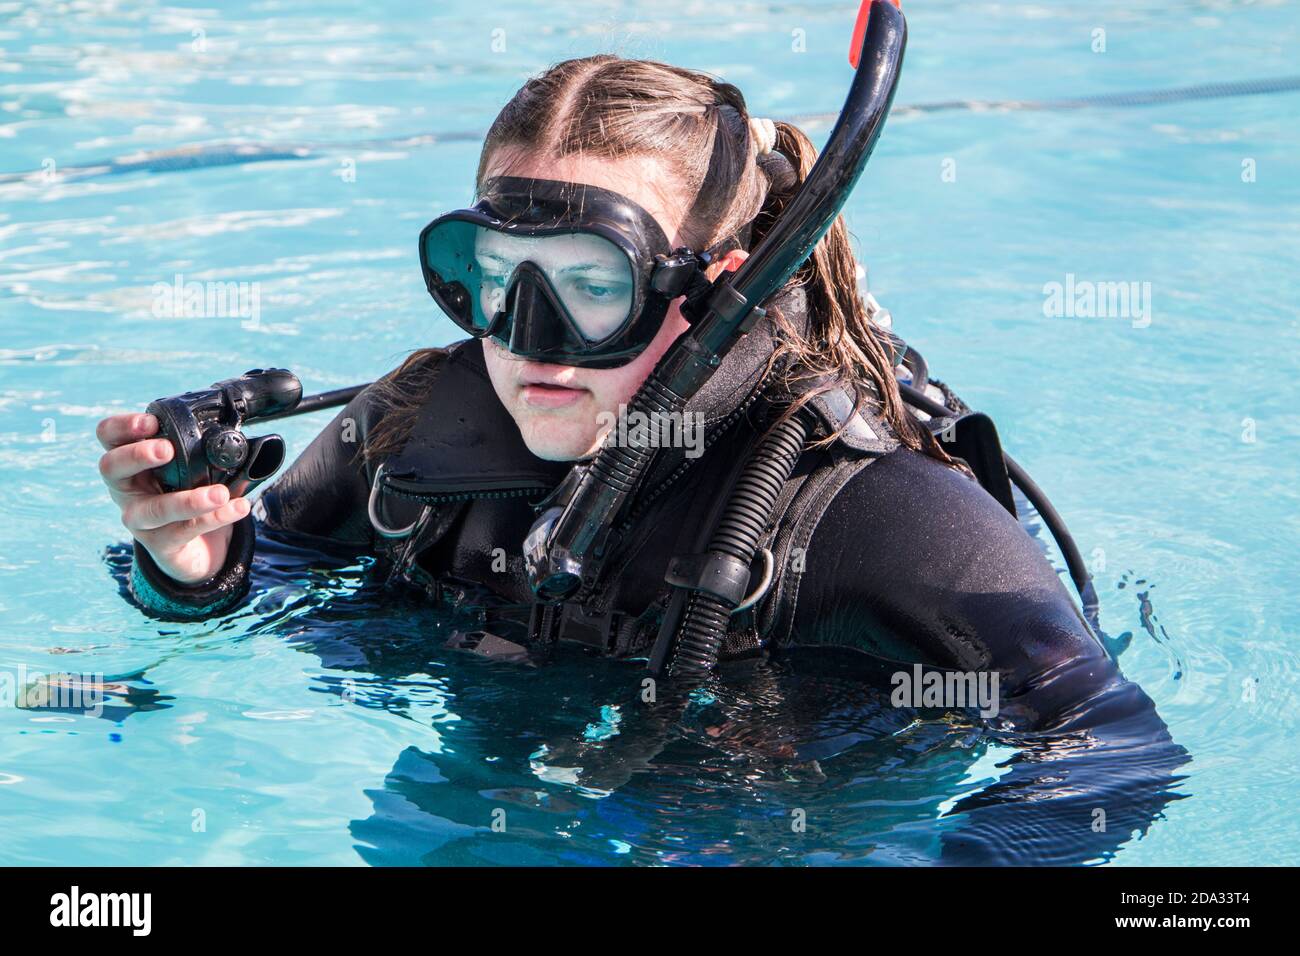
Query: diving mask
[557,272]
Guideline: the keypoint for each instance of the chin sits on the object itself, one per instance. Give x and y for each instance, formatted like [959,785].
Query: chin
[553,439]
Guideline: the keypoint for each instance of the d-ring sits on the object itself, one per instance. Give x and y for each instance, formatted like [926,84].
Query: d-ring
[756,595]
[373,511]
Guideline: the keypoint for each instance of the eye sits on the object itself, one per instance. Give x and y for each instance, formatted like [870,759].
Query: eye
[600,290]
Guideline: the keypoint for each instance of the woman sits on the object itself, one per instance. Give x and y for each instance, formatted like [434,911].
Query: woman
[884,545]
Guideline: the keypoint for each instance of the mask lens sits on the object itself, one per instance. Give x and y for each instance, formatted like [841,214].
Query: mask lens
[453,273]
[591,277]
[469,268]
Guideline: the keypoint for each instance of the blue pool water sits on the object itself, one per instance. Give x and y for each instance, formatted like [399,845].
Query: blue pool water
[303,731]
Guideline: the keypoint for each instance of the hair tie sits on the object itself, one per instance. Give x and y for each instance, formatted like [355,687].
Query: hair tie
[763,132]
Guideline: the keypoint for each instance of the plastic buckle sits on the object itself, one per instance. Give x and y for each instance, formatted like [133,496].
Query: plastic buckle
[673,273]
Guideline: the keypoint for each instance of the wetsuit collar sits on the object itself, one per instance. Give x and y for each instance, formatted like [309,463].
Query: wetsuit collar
[465,445]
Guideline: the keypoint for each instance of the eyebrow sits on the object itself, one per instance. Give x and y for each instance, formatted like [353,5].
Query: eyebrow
[579,267]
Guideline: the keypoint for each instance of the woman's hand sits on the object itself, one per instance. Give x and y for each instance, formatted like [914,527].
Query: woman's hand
[186,532]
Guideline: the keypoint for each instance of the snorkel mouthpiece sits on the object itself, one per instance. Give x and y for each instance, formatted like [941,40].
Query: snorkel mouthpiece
[567,543]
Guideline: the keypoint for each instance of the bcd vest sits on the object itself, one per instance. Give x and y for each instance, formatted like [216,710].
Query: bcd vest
[458,499]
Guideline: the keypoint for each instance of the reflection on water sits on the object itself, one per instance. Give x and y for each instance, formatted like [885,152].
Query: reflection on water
[800,760]
[783,764]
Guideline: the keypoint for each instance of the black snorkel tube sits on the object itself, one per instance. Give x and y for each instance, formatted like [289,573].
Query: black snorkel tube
[564,549]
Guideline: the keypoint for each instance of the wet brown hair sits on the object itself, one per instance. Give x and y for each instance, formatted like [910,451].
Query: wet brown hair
[697,127]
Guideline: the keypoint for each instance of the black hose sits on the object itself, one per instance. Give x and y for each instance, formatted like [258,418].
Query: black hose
[1064,540]
[749,509]
[1051,517]
[314,403]
[918,399]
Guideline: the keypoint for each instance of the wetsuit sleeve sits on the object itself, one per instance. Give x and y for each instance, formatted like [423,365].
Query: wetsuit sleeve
[324,494]
[166,597]
[321,499]
[914,563]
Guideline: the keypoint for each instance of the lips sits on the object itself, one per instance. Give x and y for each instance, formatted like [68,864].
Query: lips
[546,387]
[551,396]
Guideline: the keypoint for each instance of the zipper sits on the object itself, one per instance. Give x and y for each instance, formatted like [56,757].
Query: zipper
[447,499]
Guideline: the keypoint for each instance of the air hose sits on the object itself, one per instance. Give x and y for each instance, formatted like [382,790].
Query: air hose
[733,546]
[1056,524]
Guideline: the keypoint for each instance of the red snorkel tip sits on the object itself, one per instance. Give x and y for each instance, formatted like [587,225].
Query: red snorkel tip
[860,30]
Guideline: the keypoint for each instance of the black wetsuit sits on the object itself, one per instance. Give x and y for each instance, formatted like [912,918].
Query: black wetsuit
[903,560]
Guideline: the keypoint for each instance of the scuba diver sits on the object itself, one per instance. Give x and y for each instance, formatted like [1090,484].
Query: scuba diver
[676,432]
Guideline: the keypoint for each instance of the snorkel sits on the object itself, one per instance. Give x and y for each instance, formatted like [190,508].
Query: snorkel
[564,549]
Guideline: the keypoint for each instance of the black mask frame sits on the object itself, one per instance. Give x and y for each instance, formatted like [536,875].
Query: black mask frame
[534,322]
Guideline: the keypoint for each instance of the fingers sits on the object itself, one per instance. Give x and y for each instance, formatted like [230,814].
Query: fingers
[121,464]
[153,511]
[124,429]
[179,533]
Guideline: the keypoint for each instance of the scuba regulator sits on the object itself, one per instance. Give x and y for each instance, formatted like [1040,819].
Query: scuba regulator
[204,429]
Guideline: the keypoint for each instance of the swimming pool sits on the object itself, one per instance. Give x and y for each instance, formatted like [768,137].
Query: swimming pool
[296,732]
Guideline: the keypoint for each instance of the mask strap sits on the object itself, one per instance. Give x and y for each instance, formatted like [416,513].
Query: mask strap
[708,199]
[722,247]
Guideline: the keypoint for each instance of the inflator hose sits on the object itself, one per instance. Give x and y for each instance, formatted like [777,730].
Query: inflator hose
[743,524]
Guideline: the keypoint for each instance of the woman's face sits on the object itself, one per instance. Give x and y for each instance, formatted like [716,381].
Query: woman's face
[559,408]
